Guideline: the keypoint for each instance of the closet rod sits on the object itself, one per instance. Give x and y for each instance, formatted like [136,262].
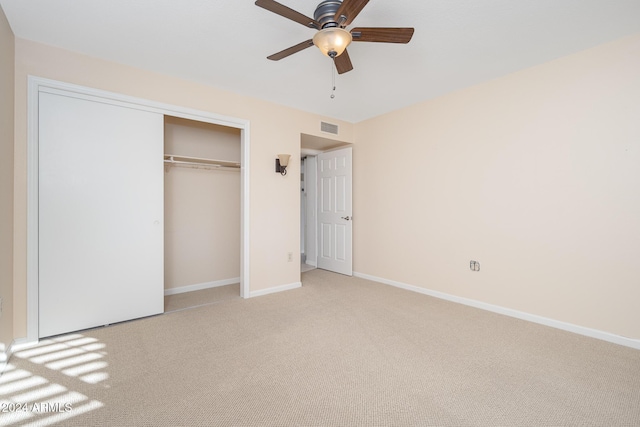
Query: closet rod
[200,162]
[200,165]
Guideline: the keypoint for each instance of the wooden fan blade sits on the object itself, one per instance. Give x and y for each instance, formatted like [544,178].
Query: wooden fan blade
[290,51]
[343,63]
[348,11]
[382,35]
[288,13]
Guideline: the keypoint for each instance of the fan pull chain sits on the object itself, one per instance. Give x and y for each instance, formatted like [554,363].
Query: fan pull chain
[333,80]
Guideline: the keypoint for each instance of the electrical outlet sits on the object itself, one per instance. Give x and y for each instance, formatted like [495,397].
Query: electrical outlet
[290,256]
[474,265]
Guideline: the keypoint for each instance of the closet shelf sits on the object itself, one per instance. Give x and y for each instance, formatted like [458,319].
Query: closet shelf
[173,159]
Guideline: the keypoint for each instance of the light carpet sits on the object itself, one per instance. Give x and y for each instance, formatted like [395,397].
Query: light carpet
[339,351]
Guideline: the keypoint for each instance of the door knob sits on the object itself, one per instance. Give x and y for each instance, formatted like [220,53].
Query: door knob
[346,217]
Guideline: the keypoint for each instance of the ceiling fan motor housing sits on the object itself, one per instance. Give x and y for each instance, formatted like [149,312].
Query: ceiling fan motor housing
[325,13]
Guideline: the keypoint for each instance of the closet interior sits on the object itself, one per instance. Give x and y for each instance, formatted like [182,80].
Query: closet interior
[202,213]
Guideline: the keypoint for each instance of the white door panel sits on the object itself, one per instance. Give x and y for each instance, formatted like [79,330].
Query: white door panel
[334,211]
[100,214]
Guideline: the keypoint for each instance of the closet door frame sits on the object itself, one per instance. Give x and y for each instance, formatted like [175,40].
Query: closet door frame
[37,85]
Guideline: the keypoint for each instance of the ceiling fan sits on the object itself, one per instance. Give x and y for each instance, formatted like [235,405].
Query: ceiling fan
[330,18]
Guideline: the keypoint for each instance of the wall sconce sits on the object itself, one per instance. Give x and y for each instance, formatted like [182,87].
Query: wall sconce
[281,163]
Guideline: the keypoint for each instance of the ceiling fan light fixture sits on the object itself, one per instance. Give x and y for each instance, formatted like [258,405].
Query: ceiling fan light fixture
[332,41]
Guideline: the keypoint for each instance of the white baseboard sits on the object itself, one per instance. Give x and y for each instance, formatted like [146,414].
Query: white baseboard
[569,327]
[200,286]
[311,263]
[275,289]
[21,344]
[5,354]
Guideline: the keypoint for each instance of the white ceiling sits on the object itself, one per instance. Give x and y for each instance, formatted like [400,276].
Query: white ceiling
[457,43]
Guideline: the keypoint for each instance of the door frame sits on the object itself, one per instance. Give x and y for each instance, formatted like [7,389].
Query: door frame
[36,85]
[313,225]
[311,210]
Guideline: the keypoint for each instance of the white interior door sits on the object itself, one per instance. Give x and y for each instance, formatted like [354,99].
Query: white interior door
[335,211]
[100,214]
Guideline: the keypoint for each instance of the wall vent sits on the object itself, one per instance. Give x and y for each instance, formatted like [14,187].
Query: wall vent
[329,128]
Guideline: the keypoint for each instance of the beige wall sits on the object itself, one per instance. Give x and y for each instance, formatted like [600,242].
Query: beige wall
[536,175]
[6,180]
[202,206]
[274,200]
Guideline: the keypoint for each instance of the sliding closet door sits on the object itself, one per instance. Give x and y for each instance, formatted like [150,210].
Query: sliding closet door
[100,214]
